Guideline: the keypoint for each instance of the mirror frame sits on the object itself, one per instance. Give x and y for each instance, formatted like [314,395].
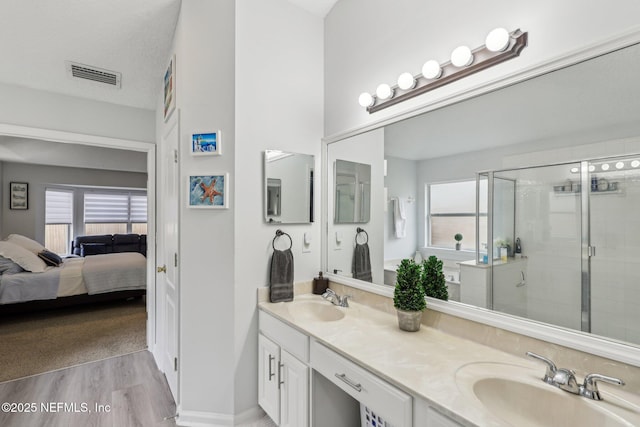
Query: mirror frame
[592,344]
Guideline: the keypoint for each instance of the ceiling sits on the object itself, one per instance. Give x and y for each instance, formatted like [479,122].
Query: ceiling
[132,37]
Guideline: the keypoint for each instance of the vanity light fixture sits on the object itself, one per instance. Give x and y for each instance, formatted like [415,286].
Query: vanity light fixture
[384,91]
[635,164]
[619,165]
[605,166]
[500,46]
[461,56]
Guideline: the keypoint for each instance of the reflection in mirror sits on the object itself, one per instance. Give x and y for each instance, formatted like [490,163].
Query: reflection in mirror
[581,112]
[352,192]
[288,191]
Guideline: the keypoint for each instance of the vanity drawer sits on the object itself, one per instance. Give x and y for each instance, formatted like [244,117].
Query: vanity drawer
[390,403]
[292,340]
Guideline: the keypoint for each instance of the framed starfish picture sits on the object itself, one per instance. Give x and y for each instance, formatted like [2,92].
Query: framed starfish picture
[209,191]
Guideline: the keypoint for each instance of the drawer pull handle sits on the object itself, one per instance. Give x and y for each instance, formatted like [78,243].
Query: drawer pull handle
[350,383]
[271,373]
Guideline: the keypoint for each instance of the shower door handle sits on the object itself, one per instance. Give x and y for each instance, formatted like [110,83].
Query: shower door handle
[522,282]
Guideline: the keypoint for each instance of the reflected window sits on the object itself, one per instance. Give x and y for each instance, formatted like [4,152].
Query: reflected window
[451,210]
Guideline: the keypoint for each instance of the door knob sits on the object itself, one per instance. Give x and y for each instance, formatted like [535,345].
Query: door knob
[162,269]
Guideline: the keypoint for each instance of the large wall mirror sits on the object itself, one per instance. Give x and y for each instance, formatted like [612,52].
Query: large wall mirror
[288,187]
[585,113]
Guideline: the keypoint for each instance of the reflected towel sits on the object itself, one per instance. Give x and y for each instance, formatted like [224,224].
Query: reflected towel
[361,264]
[281,276]
[399,218]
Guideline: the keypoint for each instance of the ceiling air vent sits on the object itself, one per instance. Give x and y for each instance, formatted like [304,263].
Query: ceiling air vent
[88,72]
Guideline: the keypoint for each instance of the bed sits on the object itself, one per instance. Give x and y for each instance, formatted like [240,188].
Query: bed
[29,281]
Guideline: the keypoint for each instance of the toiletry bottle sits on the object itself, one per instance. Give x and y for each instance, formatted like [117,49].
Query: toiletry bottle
[320,284]
[518,250]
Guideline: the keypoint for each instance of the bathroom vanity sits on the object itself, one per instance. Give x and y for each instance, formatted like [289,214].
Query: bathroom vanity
[324,365]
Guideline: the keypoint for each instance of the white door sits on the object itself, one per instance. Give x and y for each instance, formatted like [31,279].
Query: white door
[268,378]
[294,391]
[168,273]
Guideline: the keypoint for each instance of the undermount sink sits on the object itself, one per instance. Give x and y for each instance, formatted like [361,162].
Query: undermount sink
[517,395]
[315,311]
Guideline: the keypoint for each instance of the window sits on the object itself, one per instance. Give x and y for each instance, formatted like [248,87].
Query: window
[115,213]
[451,209]
[58,220]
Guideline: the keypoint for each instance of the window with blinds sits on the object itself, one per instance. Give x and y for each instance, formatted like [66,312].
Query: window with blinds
[114,212]
[58,220]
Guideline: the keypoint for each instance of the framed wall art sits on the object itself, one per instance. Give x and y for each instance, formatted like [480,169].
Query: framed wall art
[206,143]
[19,195]
[170,88]
[209,191]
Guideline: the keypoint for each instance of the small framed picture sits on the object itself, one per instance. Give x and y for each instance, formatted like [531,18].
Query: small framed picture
[19,195]
[170,88]
[206,144]
[209,191]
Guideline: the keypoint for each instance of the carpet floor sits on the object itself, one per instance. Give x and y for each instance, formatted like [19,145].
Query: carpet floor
[34,343]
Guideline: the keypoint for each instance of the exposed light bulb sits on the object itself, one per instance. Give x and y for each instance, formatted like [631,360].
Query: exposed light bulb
[635,164]
[619,165]
[431,69]
[406,81]
[592,168]
[365,99]
[574,170]
[497,40]
[384,91]
[461,56]
[605,167]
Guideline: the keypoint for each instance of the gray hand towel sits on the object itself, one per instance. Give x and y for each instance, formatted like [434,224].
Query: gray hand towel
[281,277]
[361,264]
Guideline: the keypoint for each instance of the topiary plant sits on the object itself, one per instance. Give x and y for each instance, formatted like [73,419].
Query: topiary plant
[433,280]
[458,237]
[409,293]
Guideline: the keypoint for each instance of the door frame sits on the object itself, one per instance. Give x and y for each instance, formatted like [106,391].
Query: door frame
[115,143]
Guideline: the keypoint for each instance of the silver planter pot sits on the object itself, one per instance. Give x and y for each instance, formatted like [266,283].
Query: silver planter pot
[409,320]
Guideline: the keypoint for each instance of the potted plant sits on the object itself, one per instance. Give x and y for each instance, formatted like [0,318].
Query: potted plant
[408,296]
[458,238]
[433,280]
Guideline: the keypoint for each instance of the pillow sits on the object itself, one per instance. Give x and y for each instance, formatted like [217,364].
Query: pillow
[23,257]
[92,249]
[50,258]
[25,242]
[9,267]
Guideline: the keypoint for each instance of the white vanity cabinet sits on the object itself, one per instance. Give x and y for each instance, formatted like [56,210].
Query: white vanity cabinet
[283,374]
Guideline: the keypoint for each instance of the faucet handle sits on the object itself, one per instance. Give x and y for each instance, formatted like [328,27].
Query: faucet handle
[589,389]
[329,292]
[344,302]
[551,367]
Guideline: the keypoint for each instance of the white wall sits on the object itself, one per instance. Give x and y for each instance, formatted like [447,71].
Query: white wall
[401,181]
[279,105]
[367,148]
[252,69]
[31,222]
[46,110]
[368,42]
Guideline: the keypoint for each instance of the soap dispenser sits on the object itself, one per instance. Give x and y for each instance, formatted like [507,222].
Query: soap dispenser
[320,284]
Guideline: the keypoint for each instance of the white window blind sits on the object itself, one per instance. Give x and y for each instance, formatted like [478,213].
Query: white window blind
[138,208]
[114,208]
[59,207]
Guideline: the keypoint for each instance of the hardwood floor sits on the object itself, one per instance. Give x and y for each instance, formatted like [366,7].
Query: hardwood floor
[124,391]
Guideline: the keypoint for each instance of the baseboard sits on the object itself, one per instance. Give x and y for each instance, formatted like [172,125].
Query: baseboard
[212,419]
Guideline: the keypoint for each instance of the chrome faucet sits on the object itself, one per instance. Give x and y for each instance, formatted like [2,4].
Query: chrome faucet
[336,299]
[565,379]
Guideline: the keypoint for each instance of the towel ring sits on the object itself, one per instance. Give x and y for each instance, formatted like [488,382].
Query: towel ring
[361,230]
[278,234]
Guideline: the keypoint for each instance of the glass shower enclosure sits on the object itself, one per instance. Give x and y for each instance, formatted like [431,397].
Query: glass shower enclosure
[562,244]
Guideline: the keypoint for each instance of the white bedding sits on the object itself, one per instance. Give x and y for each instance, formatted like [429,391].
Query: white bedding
[107,273]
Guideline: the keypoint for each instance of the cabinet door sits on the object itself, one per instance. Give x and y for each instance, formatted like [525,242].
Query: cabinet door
[294,391]
[268,387]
